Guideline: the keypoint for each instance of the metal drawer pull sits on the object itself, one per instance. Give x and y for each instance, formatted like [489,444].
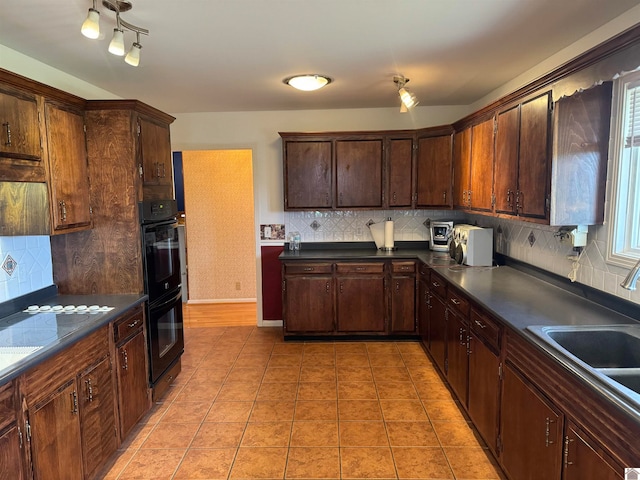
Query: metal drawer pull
[131,325]
[435,284]
[7,128]
[308,269]
[480,324]
[360,269]
[454,301]
[327,287]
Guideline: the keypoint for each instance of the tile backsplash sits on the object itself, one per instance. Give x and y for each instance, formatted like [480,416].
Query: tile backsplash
[531,243]
[26,265]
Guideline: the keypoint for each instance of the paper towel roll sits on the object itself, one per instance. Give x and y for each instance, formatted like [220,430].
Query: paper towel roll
[388,234]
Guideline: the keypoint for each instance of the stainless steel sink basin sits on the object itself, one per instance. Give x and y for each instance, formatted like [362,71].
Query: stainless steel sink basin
[609,353]
[601,348]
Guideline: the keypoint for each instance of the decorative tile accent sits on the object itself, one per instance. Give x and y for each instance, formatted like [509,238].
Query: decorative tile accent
[9,265]
[531,238]
[315,225]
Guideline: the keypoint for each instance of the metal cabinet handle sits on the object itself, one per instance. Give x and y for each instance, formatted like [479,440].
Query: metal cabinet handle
[341,287]
[326,198]
[131,325]
[444,197]
[461,336]
[480,324]
[20,437]
[469,198]
[308,269]
[360,269]
[63,210]
[567,440]
[327,287]
[435,284]
[74,402]
[395,197]
[164,171]
[464,197]
[125,360]
[397,287]
[469,351]
[509,198]
[547,440]
[519,196]
[455,301]
[7,129]
[89,389]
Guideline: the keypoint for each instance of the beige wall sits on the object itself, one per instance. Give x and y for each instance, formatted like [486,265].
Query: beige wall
[218,197]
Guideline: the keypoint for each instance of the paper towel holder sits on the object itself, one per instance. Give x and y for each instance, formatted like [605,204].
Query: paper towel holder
[377,231]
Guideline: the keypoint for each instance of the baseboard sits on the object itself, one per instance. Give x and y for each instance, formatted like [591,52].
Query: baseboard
[224,300]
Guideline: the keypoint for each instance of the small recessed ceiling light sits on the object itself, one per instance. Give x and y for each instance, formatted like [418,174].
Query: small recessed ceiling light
[308,82]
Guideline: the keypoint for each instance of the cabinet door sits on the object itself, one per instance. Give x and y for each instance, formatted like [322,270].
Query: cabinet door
[361,305]
[481,180]
[99,439]
[484,390]
[530,430]
[461,167]
[505,181]
[533,175]
[434,172]
[582,461]
[359,173]
[308,304]
[400,161]
[457,357]
[307,174]
[438,332]
[155,153]
[20,128]
[403,304]
[56,450]
[424,311]
[68,168]
[133,399]
[10,455]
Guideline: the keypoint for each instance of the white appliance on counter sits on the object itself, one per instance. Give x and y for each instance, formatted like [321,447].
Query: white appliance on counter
[471,245]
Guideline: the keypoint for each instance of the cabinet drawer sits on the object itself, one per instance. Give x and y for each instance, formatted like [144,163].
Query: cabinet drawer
[458,302]
[425,271]
[486,328]
[47,376]
[437,285]
[126,326]
[360,267]
[7,405]
[403,267]
[307,268]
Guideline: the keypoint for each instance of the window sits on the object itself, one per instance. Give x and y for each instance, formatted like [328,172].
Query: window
[625,213]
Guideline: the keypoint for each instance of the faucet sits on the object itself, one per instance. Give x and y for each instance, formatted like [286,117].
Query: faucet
[630,282]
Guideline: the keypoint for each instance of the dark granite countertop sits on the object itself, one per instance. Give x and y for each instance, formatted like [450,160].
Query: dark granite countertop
[27,339]
[516,298]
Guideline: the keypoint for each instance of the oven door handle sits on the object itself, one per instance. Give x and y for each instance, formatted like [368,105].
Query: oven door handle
[154,307]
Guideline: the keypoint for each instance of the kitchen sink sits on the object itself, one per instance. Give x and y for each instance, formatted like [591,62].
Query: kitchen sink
[609,353]
[601,348]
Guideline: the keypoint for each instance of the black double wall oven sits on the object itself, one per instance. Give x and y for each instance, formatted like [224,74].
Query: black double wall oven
[162,283]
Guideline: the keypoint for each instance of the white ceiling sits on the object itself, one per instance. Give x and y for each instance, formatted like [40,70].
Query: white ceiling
[231,55]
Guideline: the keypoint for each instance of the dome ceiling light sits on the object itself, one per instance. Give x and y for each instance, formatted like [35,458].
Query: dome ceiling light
[308,81]
[91,29]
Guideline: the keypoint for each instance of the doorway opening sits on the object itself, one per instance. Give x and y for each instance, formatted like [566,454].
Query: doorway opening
[219,217]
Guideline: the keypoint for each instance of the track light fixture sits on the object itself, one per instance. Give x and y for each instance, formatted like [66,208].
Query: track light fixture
[91,29]
[407,99]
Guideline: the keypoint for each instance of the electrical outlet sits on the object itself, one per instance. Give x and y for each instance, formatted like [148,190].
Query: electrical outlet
[237,285]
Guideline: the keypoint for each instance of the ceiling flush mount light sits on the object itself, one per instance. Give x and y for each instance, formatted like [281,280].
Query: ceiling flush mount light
[308,82]
[407,99]
[91,29]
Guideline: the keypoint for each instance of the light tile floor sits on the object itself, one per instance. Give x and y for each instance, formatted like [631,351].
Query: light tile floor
[249,406]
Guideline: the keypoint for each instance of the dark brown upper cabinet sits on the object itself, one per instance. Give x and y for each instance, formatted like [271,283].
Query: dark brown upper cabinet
[461,167]
[308,174]
[434,170]
[359,170]
[400,168]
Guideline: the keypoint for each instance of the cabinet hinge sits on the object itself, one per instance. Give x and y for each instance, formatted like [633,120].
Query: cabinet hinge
[493,200]
[84,128]
[499,444]
[90,210]
[495,125]
[414,146]
[500,370]
[547,203]
[138,128]
[140,171]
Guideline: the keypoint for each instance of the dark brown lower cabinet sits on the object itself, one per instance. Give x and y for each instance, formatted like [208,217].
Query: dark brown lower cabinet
[457,354]
[308,306]
[583,460]
[10,455]
[403,304]
[484,390]
[438,332]
[361,303]
[530,431]
[56,447]
[133,391]
[98,417]
[424,311]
